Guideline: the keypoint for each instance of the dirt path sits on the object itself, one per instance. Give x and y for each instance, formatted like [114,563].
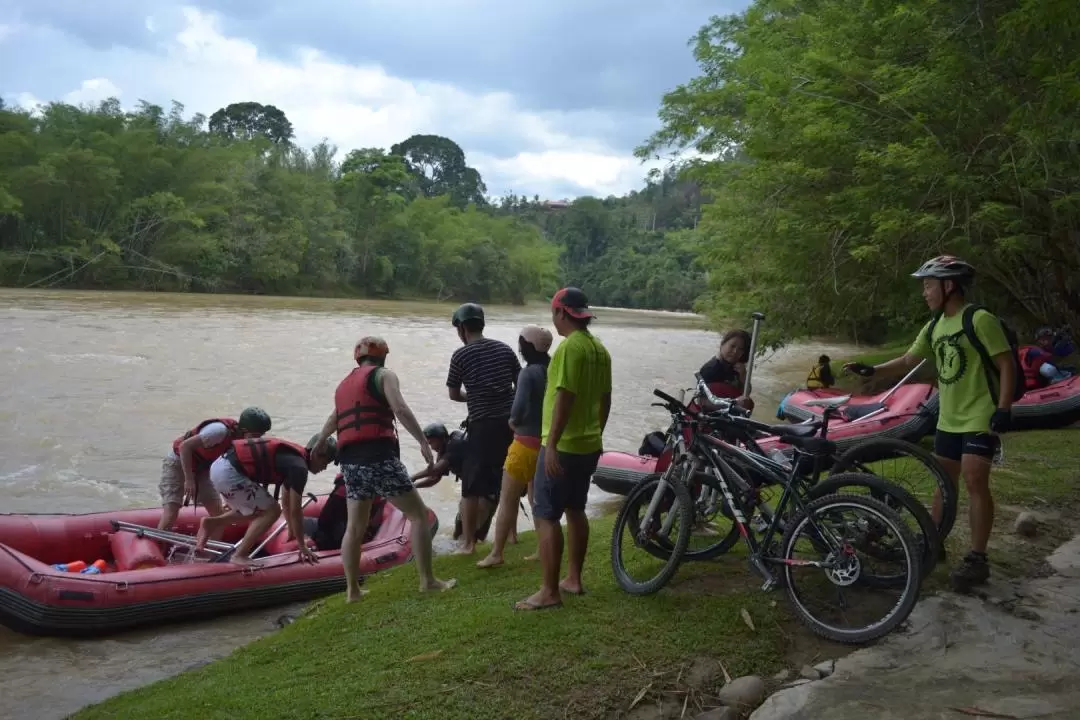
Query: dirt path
[1011,654]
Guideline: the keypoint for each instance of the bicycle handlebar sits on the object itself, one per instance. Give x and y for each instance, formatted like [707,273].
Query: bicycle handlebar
[666,398]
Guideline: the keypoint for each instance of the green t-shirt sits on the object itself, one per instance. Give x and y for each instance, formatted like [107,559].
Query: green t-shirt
[966,402]
[581,365]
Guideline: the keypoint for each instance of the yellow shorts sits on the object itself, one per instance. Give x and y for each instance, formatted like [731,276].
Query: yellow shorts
[521,462]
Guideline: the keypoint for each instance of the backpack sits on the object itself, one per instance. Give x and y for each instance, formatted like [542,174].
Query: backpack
[993,379]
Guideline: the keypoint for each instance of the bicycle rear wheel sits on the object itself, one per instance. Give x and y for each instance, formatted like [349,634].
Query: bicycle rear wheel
[909,465]
[912,512]
[835,541]
[648,571]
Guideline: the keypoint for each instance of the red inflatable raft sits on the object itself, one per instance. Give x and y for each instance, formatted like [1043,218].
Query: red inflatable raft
[1050,407]
[144,588]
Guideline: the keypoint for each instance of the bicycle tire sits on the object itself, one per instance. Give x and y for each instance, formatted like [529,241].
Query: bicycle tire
[833,484]
[913,583]
[875,449]
[683,505]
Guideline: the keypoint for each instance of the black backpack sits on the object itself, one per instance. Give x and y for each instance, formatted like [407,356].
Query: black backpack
[993,379]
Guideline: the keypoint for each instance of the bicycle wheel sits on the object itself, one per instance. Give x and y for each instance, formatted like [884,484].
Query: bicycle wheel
[714,523]
[655,568]
[907,464]
[912,512]
[818,521]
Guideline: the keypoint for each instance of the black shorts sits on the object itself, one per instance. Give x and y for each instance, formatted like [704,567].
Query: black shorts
[554,496]
[953,446]
[485,453]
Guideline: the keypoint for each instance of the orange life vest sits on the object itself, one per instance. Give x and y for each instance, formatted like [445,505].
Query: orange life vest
[361,416]
[255,458]
[1031,359]
[204,456]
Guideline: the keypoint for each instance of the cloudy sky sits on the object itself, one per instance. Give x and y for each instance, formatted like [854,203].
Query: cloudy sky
[546,97]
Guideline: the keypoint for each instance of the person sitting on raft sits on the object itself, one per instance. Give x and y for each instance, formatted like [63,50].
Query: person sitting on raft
[526,419]
[725,374]
[821,375]
[242,475]
[1038,364]
[450,448]
[185,470]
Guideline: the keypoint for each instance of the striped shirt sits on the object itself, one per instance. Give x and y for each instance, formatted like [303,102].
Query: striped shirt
[488,369]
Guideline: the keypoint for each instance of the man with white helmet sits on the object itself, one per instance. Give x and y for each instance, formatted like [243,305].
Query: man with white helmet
[975,400]
[366,405]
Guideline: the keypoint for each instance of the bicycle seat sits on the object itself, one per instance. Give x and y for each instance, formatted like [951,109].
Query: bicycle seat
[810,445]
[827,401]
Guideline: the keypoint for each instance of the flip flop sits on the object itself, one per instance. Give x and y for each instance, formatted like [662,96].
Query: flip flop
[583,591]
[526,606]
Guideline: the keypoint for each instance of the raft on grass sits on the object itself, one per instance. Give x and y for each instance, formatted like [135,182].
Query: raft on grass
[156,582]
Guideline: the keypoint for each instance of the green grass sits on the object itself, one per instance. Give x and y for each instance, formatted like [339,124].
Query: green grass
[466,654]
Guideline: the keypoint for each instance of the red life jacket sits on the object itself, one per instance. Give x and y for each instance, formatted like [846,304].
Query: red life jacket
[255,458]
[725,390]
[1031,359]
[201,456]
[361,416]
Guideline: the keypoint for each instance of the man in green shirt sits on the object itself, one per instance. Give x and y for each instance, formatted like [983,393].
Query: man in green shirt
[577,400]
[972,411]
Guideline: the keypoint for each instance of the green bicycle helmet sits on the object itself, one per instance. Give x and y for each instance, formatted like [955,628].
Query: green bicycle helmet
[331,446]
[254,419]
[467,312]
[436,430]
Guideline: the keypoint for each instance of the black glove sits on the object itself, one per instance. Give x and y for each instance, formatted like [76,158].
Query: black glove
[860,369]
[1001,421]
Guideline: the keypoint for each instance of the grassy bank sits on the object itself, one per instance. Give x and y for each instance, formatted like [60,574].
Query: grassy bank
[467,654]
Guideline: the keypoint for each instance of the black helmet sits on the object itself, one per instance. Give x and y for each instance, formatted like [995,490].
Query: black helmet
[254,419]
[331,446]
[436,430]
[466,312]
[946,267]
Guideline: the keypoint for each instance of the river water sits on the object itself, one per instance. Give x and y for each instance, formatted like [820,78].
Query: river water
[96,385]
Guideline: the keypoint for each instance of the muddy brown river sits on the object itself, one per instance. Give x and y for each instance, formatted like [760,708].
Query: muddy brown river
[97,385]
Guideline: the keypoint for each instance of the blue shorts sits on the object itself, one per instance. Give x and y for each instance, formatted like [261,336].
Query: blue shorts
[554,496]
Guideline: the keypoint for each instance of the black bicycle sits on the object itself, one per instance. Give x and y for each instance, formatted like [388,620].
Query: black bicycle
[811,526]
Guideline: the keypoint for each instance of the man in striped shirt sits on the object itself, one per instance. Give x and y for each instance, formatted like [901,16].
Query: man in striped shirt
[488,370]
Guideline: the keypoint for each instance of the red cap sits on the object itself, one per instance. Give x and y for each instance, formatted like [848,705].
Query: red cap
[572,302]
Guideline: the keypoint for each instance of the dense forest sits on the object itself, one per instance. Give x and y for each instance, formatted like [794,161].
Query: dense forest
[852,141]
[843,144]
[144,199]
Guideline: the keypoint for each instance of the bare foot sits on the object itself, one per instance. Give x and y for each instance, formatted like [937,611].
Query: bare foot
[573,588]
[243,560]
[539,601]
[353,596]
[466,549]
[201,537]
[490,561]
[439,585]
[534,556]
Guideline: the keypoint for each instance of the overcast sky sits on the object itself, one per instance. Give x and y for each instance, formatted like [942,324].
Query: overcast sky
[546,97]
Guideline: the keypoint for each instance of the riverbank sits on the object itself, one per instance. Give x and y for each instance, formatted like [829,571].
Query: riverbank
[467,654]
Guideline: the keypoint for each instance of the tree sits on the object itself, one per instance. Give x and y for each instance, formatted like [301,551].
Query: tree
[857,140]
[438,164]
[251,120]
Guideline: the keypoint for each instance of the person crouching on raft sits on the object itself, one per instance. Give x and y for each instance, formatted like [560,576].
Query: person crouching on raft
[725,374]
[185,470]
[451,449]
[526,418]
[366,404]
[242,475]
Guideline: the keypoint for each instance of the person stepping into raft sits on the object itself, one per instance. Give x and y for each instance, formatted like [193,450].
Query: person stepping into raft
[185,470]
[450,449]
[577,401]
[526,417]
[242,475]
[366,404]
[976,401]
[488,369]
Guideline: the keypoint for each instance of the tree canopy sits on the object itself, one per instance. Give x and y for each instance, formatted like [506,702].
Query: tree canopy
[850,142]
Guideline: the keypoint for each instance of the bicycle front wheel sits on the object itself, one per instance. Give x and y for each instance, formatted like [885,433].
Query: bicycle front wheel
[821,559]
[645,556]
